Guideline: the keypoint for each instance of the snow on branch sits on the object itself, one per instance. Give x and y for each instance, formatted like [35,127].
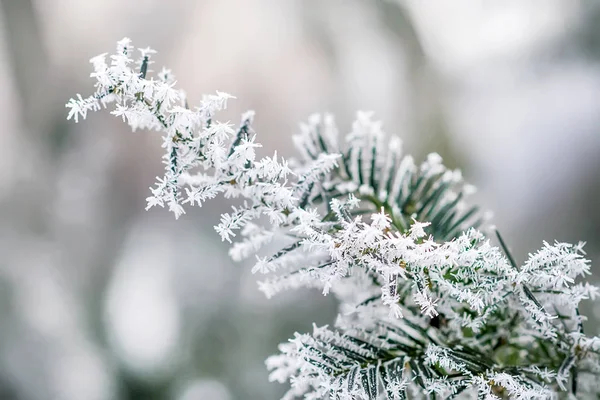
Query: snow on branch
[429,308]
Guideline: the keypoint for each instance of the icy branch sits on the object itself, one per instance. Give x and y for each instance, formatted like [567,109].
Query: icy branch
[428,306]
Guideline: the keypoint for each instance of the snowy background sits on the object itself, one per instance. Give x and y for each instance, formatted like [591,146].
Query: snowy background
[102,300]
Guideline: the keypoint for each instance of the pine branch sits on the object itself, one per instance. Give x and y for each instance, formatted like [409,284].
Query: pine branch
[428,307]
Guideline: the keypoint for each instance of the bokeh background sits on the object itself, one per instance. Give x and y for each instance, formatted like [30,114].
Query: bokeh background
[100,299]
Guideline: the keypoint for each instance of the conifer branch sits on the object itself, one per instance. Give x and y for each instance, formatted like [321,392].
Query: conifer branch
[430,308]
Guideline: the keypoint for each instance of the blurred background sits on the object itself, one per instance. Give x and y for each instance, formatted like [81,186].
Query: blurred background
[102,300]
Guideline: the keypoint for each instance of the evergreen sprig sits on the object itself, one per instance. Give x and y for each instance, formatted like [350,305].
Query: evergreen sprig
[428,307]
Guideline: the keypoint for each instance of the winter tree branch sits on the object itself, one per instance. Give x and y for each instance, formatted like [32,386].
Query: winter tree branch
[429,308]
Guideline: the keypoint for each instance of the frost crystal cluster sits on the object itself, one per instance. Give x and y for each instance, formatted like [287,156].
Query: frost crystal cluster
[428,307]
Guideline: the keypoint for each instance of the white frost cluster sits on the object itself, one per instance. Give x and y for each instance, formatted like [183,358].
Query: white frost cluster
[429,308]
